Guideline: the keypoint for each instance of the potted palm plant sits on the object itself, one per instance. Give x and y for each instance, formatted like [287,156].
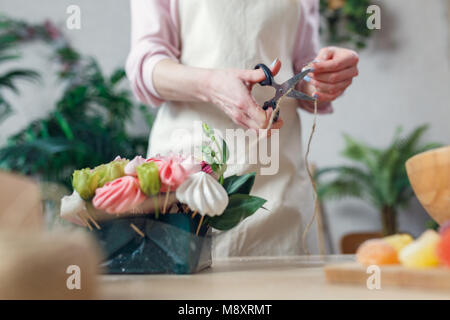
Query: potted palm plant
[8,78]
[378,176]
[89,124]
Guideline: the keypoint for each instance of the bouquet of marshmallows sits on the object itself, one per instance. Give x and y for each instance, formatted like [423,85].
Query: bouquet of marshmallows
[164,184]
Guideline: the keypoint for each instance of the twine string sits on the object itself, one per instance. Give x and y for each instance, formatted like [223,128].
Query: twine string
[311,178]
[308,169]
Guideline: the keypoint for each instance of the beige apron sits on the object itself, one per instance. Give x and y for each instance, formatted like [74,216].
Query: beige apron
[240,34]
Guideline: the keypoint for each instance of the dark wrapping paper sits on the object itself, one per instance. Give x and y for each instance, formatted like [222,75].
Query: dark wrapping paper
[169,246]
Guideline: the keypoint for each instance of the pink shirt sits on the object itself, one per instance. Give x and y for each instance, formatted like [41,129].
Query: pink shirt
[155,36]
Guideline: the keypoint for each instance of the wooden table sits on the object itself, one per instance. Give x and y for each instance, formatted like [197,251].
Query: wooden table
[270,278]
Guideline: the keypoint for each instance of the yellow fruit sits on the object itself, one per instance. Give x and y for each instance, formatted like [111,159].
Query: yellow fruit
[422,252]
[399,241]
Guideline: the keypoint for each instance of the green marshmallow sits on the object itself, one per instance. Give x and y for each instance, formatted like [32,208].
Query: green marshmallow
[148,175]
[110,171]
[85,181]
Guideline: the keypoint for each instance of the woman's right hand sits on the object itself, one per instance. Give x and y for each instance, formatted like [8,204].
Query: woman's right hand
[230,90]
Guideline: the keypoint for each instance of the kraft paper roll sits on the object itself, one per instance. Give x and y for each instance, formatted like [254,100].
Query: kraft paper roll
[58,265]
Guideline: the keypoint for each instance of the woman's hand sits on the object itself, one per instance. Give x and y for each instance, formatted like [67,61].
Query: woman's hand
[333,73]
[230,90]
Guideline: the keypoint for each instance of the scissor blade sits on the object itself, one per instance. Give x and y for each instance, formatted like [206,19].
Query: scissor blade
[292,82]
[299,95]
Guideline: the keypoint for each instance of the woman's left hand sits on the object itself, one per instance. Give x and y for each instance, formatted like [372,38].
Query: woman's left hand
[333,73]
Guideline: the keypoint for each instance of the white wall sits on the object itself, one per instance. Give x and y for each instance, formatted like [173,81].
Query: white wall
[404,80]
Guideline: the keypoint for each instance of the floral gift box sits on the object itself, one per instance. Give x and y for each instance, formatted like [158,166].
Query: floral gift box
[154,215]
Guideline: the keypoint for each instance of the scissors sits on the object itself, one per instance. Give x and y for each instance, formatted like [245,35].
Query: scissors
[286,88]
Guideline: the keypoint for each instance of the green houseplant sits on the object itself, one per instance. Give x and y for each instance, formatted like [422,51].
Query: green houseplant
[378,176]
[88,125]
[8,78]
[345,22]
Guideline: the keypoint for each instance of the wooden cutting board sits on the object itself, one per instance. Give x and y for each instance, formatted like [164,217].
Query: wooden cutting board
[396,275]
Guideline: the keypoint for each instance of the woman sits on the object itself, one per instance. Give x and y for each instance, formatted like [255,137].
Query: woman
[194,60]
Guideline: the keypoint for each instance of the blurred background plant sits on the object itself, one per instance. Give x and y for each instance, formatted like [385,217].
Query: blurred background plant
[378,175]
[9,78]
[345,22]
[88,125]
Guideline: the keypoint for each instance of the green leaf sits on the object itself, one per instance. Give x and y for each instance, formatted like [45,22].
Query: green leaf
[338,189]
[117,76]
[215,167]
[355,172]
[207,130]
[357,151]
[239,207]
[239,184]
[207,152]
[429,146]
[8,57]
[65,127]
[225,151]
[206,149]
[409,143]
[148,116]
[5,109]
[7,79]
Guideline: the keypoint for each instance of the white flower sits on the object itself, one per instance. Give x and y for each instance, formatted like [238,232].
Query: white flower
[202,193]
[72,207]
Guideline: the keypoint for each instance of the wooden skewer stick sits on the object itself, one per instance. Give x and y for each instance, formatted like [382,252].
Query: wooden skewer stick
[194,214]
[166,200]
[85,221]
[93,221]
[139,232]
[199,225]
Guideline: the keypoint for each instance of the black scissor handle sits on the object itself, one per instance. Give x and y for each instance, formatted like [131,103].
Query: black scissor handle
[269,76]
[268,81]
[271,104]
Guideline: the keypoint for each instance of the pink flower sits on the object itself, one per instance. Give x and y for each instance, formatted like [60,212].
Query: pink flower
[206,168]
[119,196]
[51,30]
[173,170]
[172,174]
[190,164]
[130,168]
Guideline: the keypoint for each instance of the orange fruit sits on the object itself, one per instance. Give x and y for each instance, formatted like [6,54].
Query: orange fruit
[376,251]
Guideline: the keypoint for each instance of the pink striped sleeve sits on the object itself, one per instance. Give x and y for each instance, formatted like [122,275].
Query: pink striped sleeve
[154,36]
[307,44]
